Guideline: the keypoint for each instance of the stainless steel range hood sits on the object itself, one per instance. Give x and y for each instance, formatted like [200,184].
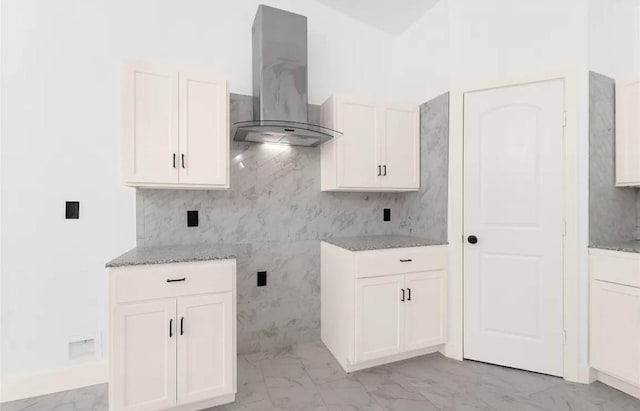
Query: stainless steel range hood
[280,97]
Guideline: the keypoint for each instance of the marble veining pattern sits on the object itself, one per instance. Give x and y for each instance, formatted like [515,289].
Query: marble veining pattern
[424,213]
[276,210]
[175,254]
[306,377]
[380,242]
[612,210]
[632,246]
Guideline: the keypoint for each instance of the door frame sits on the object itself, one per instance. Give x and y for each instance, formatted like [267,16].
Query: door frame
[575,259]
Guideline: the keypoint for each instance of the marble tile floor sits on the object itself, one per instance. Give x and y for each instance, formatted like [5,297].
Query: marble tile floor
[307,377]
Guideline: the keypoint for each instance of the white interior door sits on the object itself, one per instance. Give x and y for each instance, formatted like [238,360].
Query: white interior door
[206,352]
[204,128]
[513,204]
[379,317]
[151,123]
[401,147]
[145,355]
[358,148]
[425,309]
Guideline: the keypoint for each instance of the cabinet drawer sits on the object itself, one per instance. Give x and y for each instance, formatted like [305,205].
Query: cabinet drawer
[147,282]
[400,260]
[616,267]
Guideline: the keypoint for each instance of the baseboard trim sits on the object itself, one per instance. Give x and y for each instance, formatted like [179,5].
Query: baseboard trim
[392,358]
[618,384]
[586,375]
[17,387]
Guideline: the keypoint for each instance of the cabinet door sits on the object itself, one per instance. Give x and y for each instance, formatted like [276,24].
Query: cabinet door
[150,124]
[204,129]
[615,330]
[401,147]
[425,310]
[379,315]
[627,132]
[358,148]
[206,350]
[145,355]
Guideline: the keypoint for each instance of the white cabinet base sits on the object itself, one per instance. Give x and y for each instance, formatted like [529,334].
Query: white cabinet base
[349,367]
[206,404]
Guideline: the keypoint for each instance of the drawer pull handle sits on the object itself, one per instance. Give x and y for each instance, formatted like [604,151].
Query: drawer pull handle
[409,289]
[402,295]
[407,260]
[182,326]
[175,280]
[171,328]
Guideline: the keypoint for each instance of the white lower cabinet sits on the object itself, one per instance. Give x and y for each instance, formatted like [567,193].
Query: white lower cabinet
[383,305]
[174,350]
[379,319]
[615,318]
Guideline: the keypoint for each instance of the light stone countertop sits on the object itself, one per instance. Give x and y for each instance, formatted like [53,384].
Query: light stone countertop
[381,242]
[175,254]
[632,246]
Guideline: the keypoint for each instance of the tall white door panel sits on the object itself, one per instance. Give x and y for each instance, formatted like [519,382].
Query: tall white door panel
[627,131]
[401,151]
[145,355]
[513,206]
[204,128]
[358,148]
[205,346]
[151,124]
[379,317]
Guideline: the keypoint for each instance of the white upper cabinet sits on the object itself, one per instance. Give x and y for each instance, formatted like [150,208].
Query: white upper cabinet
[628,133]
[176,128]
[379,149]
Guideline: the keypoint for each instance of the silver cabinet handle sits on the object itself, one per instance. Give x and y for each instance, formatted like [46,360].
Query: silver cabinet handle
[174,160]
[171,328]
[182,158]
[385,170]
[379,171]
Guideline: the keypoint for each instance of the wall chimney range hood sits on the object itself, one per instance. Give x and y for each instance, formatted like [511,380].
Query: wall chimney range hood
[280,97]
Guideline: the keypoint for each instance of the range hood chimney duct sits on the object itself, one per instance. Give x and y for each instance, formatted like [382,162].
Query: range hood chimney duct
[280,97]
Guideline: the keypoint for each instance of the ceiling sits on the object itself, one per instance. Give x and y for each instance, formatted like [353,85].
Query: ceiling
[393,16]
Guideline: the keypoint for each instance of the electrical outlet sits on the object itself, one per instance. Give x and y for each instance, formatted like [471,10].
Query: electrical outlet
[262,278]
[387,214]
[72,210]
[192,218]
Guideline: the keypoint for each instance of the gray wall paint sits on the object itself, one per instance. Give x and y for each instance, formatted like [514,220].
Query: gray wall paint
[276,211]
[612,210]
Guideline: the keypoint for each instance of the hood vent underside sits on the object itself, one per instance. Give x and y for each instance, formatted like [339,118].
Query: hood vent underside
[283,132]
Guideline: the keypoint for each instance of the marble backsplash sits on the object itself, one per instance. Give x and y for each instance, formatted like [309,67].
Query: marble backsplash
[276,210]
[612,210]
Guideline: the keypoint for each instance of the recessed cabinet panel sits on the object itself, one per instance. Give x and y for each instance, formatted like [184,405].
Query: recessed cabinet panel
[628,133]
[425,309]
[379,149]
[615,330]
[401,148]
[144,365]
[205,351]
[357,149]
[378,317]
[203,117]
[151,124]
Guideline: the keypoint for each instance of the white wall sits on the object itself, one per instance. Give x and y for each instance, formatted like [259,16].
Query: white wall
[61,131]
[614,38]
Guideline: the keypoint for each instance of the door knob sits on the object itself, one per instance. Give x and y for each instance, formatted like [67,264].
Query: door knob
[472,239]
